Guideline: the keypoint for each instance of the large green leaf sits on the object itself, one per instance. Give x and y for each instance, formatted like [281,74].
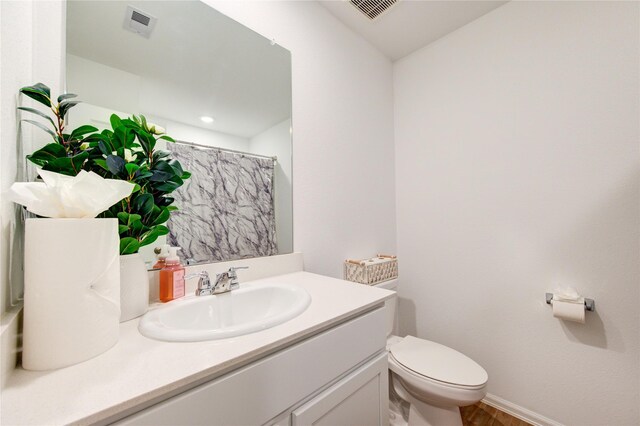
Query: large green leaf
[167,138]
[43,127]
[147,140]
[143,203]
[40,113]
[115,165]
[162,171]
[78,160]
[104,147]
[137,226]
[101,163]
[143,174]
[65,106]
[63,166]
[149,237]
[47,153]
[176,166]
[129,245]
[160,176]
[66,96]
[44,88]
[131,168]
[168,186]
[159,154]
[162,217]
[123,137]
[77,134]
[115,121]
[165,201]
[128,218]
[38,92]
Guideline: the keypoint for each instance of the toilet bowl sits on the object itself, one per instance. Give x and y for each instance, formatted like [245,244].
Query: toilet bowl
[434,379]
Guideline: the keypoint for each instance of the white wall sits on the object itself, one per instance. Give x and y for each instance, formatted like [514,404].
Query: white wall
[343,194]
[31,50]
[517,148]
[277,141]
[101,85]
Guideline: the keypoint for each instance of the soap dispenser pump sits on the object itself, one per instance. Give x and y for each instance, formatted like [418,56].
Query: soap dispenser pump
[162,257]
[172,277]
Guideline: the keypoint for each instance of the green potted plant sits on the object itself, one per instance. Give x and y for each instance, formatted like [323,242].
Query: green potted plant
[128,151]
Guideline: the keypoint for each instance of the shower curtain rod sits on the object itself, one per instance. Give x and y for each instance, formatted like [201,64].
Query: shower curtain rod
[249,154]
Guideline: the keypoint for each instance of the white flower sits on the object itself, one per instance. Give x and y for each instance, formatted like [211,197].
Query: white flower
[155,129]
[128,155]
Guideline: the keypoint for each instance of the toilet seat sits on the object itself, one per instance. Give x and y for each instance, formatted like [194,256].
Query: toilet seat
[435,362]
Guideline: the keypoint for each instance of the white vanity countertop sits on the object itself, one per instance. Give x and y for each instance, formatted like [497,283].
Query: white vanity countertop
[138,369]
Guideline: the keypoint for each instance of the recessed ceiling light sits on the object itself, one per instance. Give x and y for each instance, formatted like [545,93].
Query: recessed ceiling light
[207,119]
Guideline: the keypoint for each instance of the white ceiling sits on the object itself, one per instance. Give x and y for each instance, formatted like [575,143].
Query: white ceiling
[207,63]
[409,24]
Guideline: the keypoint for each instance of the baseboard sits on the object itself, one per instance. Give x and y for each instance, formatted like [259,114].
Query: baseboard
[519,412]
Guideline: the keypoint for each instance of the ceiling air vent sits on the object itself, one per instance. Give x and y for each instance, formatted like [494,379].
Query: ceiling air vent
[373,8]
[139,22]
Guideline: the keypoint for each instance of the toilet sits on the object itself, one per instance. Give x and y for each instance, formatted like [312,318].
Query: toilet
[433,379]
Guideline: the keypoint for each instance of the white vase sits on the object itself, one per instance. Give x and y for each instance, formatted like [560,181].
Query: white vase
[134,287]
[71,291]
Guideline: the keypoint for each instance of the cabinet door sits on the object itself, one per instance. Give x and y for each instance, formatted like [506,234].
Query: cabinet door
[360,399]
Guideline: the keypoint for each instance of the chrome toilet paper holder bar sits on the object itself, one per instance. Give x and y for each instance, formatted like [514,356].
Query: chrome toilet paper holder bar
[589,304]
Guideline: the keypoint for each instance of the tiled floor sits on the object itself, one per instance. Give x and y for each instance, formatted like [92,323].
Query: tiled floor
[482,414]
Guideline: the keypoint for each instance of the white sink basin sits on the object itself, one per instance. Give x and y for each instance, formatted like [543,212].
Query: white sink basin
[251,308]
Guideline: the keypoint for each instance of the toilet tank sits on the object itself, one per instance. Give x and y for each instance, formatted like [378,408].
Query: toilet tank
[390,305]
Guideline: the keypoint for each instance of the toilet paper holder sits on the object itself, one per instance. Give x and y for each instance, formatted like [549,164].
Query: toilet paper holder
[589,304]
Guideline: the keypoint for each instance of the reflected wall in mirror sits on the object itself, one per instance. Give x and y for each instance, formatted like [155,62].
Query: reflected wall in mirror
[218,88]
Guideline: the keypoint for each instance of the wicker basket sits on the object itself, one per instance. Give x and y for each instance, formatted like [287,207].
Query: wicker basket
[371,271]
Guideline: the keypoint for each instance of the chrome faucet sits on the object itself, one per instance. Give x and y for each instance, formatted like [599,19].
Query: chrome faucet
[224,282]
[204,283]
[228,280]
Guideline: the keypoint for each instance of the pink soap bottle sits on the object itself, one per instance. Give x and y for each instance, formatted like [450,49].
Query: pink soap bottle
[172,277]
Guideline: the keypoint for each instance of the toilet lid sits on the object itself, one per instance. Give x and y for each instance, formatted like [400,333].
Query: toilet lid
[438,362]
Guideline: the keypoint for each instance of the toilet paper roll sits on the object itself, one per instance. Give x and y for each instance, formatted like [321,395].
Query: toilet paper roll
[570,311]
[71,291]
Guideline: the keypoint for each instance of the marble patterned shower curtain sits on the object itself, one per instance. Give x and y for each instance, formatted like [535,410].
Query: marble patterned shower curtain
[226,209]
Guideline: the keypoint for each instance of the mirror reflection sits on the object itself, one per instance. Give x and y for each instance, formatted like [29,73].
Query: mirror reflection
[222,91]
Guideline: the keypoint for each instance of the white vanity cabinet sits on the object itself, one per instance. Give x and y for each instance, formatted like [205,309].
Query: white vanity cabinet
[336,377]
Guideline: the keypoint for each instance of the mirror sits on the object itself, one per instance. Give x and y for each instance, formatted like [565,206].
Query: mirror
[222,91]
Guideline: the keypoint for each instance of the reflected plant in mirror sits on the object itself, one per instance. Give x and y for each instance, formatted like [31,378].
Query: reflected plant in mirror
[222,91]
[129,152]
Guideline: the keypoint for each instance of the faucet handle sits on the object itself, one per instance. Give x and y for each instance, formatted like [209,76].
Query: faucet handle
[233,276]
[201,274]
[233,269]
[204,283]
